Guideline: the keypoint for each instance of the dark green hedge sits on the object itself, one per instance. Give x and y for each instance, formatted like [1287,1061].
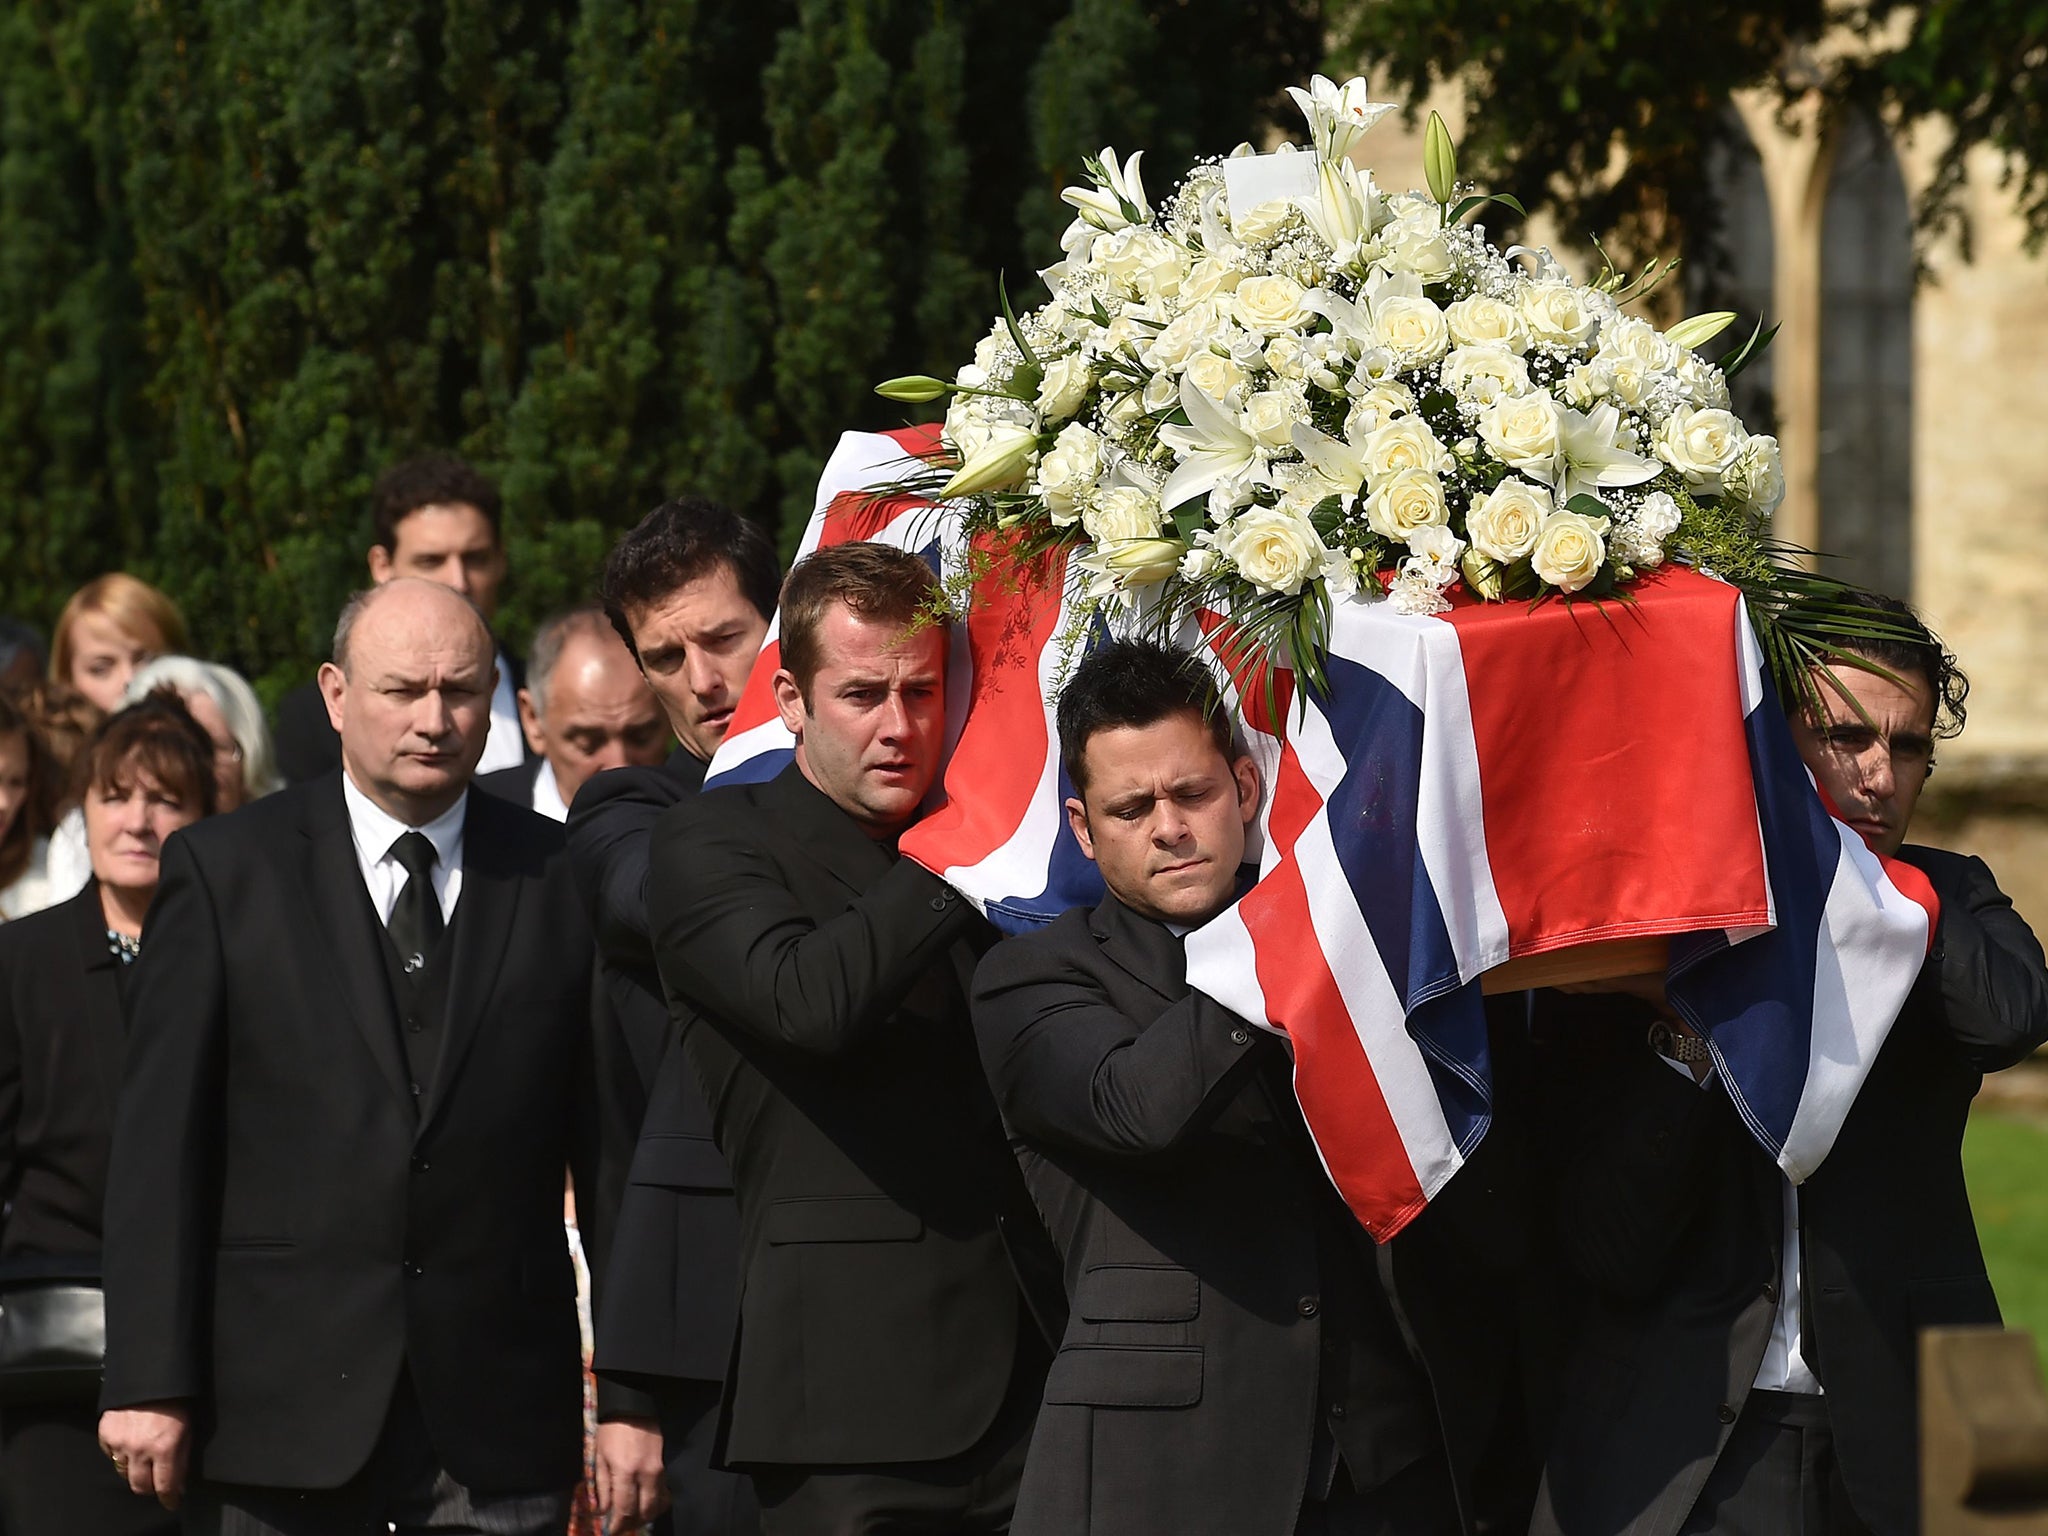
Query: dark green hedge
[251,250]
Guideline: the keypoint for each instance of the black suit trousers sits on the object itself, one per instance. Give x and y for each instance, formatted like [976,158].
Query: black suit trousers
[56,1481]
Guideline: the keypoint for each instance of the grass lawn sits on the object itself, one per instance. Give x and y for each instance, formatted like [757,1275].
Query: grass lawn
[2006,1161]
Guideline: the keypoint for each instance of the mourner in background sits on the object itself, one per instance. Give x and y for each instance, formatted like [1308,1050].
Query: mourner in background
[1748,1359]
[338,1293]
[436,518]
[1238,1360]
[689,591]
[63,974]
[585,708]
[111,626]
[887,1368]
[29,790]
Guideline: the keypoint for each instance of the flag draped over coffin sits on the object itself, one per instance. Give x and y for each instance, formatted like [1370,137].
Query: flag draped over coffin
[1486,785]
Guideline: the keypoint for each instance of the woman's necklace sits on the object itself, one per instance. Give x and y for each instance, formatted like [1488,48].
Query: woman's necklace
[122,947]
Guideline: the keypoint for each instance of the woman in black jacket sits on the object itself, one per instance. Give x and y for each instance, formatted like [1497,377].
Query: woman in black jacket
[149,771]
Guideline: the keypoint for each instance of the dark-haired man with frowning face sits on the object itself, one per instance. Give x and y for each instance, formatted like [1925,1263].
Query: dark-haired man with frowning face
[887,1365]
[1235,1363]
[1749,1359]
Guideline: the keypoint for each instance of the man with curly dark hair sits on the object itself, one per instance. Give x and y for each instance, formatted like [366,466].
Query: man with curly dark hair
[1748,1363]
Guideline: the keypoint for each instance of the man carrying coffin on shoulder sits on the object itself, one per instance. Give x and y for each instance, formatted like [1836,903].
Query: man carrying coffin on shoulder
[1748,1359]
[1240,1360]
[886,1367]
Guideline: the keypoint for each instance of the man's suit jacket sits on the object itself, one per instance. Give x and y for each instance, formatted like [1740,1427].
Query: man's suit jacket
[60,1069]
[288,1223]
[820,987]
[514,783]
[1671,1215]
[1167,1154]
[663,1231]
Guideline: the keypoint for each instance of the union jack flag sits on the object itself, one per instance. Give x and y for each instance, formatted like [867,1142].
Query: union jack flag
[1472,788]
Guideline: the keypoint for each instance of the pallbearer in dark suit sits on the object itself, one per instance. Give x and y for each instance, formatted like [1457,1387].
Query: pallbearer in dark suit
[337,1286]
[887,1366]
[1749,1362]
[149,770]
[690,590]
[1239,1360]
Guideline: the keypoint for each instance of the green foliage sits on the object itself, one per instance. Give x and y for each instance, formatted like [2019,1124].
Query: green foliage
[2002,1160]
[252,251]
[1606,109]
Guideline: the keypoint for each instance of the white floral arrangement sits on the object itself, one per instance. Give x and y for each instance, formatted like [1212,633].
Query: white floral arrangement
[1283,387]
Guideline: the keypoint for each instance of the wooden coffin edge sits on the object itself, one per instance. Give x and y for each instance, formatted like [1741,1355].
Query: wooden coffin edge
[1581,962]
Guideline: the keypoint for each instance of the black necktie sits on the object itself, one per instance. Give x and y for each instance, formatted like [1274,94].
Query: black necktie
[415,925]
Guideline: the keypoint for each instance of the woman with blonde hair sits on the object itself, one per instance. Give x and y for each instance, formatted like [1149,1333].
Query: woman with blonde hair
[111,626]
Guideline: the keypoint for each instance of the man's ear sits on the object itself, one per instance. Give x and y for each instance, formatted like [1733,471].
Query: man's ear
[1246,772]
[529,719]
[789,701]
[332,684]
[1077,819]
[381,568]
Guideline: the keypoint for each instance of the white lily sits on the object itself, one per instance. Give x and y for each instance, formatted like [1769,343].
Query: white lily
[1002,460]
[1117,200]
[1342,210]
[1115,567]
[1214,447]
[1337,114]
[1349,322]
[1338,465]
[1589,458]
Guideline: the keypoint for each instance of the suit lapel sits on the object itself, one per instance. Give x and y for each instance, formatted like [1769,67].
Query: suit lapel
[104,1027]
[475,948]
[344,929]
[1146,951]
[825,834]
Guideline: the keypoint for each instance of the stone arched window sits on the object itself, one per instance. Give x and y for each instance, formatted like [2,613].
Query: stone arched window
[1866,362]
[1734,267]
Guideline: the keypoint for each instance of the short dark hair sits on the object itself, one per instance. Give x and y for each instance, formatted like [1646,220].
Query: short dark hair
[430,480]
[876,581]
[1923,653]
[679,541]
[1135,683]
[158,734]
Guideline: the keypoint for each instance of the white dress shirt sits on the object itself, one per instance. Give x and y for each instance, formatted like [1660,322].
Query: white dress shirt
[1784,1367]
[506,747]
[547,794]
[376,831]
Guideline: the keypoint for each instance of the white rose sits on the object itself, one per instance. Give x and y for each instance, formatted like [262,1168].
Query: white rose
[1215,375]
[1064,387]
[1480,321]
[1261,223]
[1522,431]
[1405,443]
[1160,393]
[1185,335]
[1067,469]
[1569,550]
[1272,549]
[1556,313]
[1286,356]
[1269,304]
[1125,411]
[1424,249]
[1121,512]
[1483,373]
[1759,477]
[1640,343]
[1410,328]
[1701,445]
[1270,416]
[1404,502]
[1504,526]
[1207,279]
[1376,407]
[1620,379]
